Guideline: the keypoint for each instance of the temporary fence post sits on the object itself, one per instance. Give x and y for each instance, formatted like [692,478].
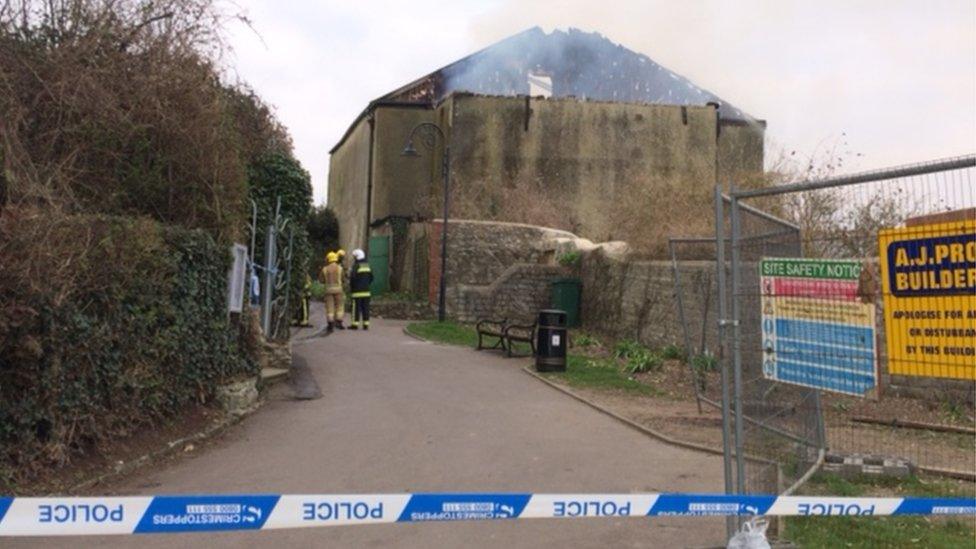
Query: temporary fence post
[730,522]
[740,478]
[270,272]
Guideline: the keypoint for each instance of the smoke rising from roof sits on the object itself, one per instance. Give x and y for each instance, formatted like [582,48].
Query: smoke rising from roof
[580,64]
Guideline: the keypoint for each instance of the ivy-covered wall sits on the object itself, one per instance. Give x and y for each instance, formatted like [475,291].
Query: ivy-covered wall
[119,323]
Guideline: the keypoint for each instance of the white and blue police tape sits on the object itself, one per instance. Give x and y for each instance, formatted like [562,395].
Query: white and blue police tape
[51,516]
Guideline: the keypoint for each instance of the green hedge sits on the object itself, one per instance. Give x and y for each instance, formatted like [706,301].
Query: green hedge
[111,325]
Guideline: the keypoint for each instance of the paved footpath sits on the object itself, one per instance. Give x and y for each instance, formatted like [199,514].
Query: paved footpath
[401,415]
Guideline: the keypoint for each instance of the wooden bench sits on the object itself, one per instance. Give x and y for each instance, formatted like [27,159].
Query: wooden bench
[506,334]
[494,329]
[520,332]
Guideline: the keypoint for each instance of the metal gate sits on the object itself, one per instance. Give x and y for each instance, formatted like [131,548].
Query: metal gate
[379,263]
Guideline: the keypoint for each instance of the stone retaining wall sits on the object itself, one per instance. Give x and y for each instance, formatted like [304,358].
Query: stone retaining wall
[518,294]
[635,299]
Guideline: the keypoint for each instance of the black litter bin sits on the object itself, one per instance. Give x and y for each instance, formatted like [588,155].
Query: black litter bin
[551,341]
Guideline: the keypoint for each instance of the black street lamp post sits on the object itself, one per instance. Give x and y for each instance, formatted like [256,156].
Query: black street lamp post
[428,134]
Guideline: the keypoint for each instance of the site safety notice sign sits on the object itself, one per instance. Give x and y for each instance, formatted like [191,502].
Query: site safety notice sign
[928,277]
[816,332]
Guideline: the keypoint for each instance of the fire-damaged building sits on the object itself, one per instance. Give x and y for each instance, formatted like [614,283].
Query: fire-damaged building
[569,111]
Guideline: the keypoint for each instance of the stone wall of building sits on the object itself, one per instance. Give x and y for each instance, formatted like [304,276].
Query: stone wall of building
[349,185]
[370,180]
[603,165]
[402,184]
[595,157]
[740,151]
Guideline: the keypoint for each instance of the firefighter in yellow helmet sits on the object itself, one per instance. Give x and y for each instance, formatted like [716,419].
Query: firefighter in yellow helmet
[332,278]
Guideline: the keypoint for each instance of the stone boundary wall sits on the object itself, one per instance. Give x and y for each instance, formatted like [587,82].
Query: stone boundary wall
[496,269]
[479,252]
[517,295]
[636,299]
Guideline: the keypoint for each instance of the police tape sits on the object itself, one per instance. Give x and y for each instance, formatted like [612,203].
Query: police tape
[59,516]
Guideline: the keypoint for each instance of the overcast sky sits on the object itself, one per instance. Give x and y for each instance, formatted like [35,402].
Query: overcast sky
[894,80]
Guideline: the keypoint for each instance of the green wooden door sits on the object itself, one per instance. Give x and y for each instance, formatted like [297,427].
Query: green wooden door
[379,263]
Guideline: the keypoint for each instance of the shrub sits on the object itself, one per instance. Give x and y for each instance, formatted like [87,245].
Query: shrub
[638,358]
[643,361]
[673,352]
[570,259]
[117,108]
[626,348]
[706,362]
[317,291]
[702,364]
[323,236]
[586,340]
[270,177]
[108,326]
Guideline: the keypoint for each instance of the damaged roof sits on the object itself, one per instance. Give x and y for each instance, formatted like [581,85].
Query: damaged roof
[580,64]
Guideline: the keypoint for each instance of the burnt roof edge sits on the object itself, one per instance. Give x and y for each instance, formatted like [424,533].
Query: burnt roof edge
[740,122]
[369,110]
[386,101]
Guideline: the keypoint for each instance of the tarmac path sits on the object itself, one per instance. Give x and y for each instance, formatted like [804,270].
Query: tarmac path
[402,415]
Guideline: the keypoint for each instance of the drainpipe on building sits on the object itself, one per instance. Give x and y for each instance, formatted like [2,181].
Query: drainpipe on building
[718,131]
[369,180]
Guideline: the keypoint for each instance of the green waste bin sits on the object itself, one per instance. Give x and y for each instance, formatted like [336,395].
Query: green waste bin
[566,297]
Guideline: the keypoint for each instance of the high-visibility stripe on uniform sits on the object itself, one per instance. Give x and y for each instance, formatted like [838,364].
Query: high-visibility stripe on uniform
[360,294]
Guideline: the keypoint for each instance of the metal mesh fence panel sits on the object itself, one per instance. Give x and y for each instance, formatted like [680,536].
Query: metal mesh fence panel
[696,298]
[854,332]
[780,425]
[780,431]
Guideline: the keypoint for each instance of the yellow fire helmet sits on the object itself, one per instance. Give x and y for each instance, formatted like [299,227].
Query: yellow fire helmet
[331,257]
[341,253]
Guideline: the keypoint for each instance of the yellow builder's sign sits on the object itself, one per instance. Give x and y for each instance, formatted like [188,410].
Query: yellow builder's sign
[928,277]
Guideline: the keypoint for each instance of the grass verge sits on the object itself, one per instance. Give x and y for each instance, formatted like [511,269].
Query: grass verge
[451,333]
[882,531]
[603,374]
[581,371]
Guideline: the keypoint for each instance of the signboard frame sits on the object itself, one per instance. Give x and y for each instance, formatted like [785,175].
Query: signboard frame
[816,331]
[929,292]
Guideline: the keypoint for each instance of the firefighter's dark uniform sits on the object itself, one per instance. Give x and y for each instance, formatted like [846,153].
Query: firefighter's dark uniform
[360,277]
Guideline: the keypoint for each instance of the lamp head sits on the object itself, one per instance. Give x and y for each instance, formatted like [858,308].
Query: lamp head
[409,150]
